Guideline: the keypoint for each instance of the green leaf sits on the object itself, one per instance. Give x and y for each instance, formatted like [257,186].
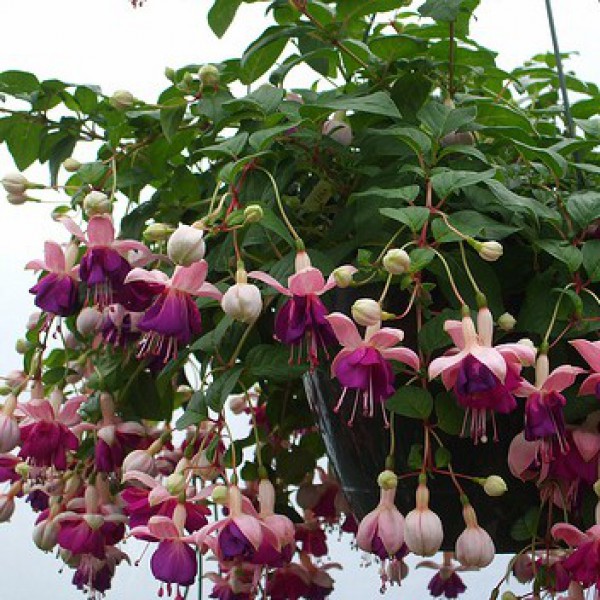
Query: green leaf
[450,415]
[415,457]
[589,126]
[563,251]
[471,223]
[23,140]
[410,91]
[525,528]
[263,138]
[443,457]
[420,258]
[441,10]
[143,396]
[221,15]
[170,119]
[584,207]
[378,103]
[260,56]
[267,361]
[61,150]
[273,223]
[406,193]
[510,200]
[411,401]
[394,47]
[554,161]
[440,119]
[447,181]
[222,387]
[412,216]
[18,82]
[591,259]
[295,464]
[196,411]
[231,147]
[86,98]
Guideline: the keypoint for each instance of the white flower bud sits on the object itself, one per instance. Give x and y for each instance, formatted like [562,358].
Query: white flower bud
[15,183]
[494,486]
[527,342]
[490,251]
[45,535]
[22,346]
[220,494]
[343,276]
[506,322]
[367,312]
[17,199]
[158,232]
[396,261]
[88,321]
[242,302]
[337,130]
[122,100]
[176,483]
[253,213]
[209,75]
[387,480]
[97,203]
[186,245]
[71,165]
[140,460]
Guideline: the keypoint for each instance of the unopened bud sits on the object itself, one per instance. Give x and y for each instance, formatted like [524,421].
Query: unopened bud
[97,203]
[338,130]
[175,484]
[508,596]
[490,251]
[170,73]
[527,342]
[396,261]
[253,213]
[367,312]
[88,321]
[186,245]
[242,302]
[238,403]
[22,346]
[220,494]
[158,232]
[506,322]
[17,199]
[494,486]
[71,165]
[7,507]
[209,75]
[462,138]
[343,276]
[15,183]
[122,100]
[387,480]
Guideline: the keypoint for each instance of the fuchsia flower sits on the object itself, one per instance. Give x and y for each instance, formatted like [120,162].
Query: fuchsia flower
[46,431]
[104,266]
[583,564]
[237,583]
[590,351]
[174,561]
[423,532]
[481,376]
[302,319]
[474,546]
[93,576]
[544,419]
[364,365]
[173,319]
[57,292]
[446,582]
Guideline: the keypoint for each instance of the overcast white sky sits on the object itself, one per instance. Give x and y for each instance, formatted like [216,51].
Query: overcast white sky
[106,42]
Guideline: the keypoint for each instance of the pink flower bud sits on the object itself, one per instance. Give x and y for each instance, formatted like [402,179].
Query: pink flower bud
[242,302]
[33,320]
[186,245]
[7,507]
[97,203]
[238,403]
[140,460]
[474,546]
[367,312]
[45,535]
[343,276]
[338,130]
[523,568]
[423,532]
[9,433]
[88,321]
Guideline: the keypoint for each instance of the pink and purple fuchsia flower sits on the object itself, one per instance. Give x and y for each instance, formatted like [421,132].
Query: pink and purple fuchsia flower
[302,319]
[363,365]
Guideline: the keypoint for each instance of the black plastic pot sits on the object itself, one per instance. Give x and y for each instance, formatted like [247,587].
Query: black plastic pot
[358,454]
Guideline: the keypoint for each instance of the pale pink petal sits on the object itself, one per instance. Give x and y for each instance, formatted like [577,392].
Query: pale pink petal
[271,281]
[587,442]
[569,533]
[588,387]
[141,531]
[54,257]
[72,228]
[561,378]
[251,528]
[521,454]
[391,530]
[455,330]
[208,290]
[492,359]
[367,530]
[269,536]
[36,265]
[345,330]
[100,231]
[158,495]
[143,478]
[282,527]
[590,351]
[69,414]
[525,389]
[131,428]
[331,283]
[154,277]
[162,528]
[403,355]
[521,353]
[386,337]
[190,279]
[201,536]
[485,326]
[443,363]
[40,410]
[124,246]
[307,281]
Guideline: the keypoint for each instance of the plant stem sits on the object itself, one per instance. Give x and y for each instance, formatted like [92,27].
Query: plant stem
[451,56]
[468,270]
[555,314]
[450,278]
[280,204]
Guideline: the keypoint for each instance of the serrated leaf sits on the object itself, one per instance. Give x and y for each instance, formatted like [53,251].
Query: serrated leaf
[170,119]
[420,258]
[412,216]
[411,401]
[519,203]
[447,182]
[440,119]
[591,259]
[221,387]
[563,251]
[407,193]
[378,103]
[554,161]
[584,207]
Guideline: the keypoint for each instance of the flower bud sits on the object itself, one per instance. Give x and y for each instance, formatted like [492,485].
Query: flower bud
[462,138]
[158,232]
[170,73]
[238,403]
[253,213]
[220,494]
[343,276]
[22,346]
[387,480]
[338,130]
[122,100]
[494,486]
[7,507]
[45,535]
[140,460]
[97,203]
[396,261]
[10,435]
[33,320]
[506,322]
[367,312]
[474,546]
[15,183]
[71,165]
[242,302]
[17,199]
[509,596]
[88,321]
[186,246]
[490,251]
[423,532]
[209,75]
[176,483]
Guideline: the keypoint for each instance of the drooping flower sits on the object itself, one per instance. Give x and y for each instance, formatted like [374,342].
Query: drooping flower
[364,365]
[544,419]
[481,376]
[583,564]
[423,531]
[301,321]
[104,265]
[590,351]
[474,546]
[173,319]
[57,292]
[446,582]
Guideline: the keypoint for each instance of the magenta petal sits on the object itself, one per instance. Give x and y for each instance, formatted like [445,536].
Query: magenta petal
[174,562]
